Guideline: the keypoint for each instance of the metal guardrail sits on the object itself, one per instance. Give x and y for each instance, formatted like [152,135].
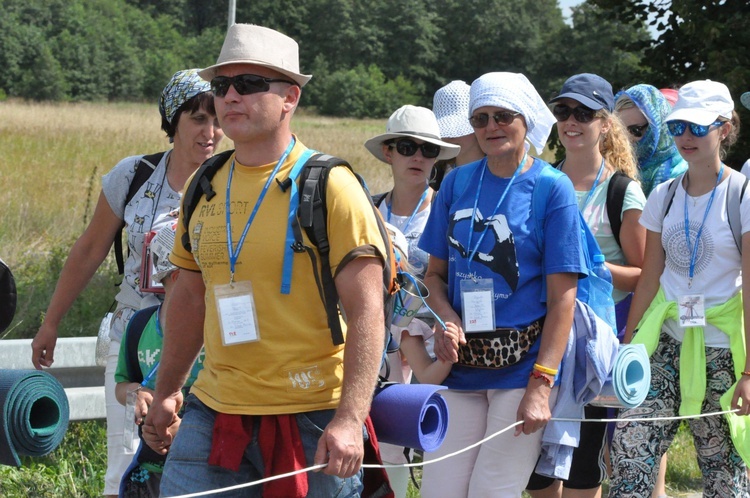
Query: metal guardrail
[75,367]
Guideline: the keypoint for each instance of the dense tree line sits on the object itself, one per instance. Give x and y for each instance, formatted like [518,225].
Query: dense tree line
[370,57]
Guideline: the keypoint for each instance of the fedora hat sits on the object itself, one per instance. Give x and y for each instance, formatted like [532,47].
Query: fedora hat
[253,44]
[412,122]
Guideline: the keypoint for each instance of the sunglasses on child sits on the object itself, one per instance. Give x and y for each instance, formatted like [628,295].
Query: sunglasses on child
[407,147]
[677,128]
[245,84]
[582,114]
[501,118]
[637,130]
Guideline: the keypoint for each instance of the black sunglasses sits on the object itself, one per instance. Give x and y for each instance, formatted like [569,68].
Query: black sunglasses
[582,113]
[637,130]
[407,147]
[245,84]
[502,118]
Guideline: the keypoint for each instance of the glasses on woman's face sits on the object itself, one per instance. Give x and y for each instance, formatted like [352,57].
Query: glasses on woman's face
[408,148]
[245,84]
[677,128]
[582,114]
[501,118]
[637,130]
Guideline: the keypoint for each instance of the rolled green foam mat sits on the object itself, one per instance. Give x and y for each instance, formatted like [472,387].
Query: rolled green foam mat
[34,414]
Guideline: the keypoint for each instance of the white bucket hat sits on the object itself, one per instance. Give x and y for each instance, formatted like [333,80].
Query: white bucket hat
[702,102]
[451,108]
[412,122]
[252,44]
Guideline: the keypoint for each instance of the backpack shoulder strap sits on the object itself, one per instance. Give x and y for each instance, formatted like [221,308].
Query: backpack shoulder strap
[671,189]
[312,216]
[618,186]
[199,186]
[735,192]
[143,171]
[132,337]
[378,199]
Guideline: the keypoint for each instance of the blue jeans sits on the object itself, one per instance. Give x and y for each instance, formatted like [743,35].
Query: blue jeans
[187,469]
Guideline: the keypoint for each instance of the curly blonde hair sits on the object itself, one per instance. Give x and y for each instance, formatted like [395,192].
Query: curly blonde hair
[616,148]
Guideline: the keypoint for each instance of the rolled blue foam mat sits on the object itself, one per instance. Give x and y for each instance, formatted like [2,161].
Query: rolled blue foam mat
[629,381]
[410,415]
[34,414]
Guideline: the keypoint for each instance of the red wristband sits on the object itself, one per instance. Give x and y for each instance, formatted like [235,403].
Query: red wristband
[536,374]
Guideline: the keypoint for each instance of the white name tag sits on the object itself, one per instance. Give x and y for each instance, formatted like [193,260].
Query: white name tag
[478,305]
[238,320]
[692,310]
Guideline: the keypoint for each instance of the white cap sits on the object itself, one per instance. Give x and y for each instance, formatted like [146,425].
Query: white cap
[702,102]
[451,108]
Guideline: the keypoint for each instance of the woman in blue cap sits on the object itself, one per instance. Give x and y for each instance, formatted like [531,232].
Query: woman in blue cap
[189,120]
[599,161]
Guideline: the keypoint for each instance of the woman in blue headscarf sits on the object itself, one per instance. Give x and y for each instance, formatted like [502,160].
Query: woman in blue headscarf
[642,109]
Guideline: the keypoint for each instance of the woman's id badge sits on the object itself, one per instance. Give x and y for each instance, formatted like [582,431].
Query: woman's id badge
[692,309]
[130,430]
[478,305]
[235,306]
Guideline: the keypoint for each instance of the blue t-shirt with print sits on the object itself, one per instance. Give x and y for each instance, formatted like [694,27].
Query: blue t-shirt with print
[509,254]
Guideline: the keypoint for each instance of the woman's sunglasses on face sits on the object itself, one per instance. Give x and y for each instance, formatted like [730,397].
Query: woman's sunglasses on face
[637,130]
[582,114]
[408,148]
[245,84]
[501,118]
[677,128]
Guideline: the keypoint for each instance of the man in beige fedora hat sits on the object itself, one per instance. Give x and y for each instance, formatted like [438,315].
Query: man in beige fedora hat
[275,395]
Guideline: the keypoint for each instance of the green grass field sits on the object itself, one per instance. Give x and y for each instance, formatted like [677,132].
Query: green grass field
[53,158]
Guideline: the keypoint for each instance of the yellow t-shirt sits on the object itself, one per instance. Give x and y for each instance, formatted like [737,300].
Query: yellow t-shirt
[294,367]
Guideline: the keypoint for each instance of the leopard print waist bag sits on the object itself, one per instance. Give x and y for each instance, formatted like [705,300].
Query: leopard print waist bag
[498,349]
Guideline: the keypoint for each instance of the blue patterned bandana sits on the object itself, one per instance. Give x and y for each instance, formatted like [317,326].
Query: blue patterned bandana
[183,86]
[658,157]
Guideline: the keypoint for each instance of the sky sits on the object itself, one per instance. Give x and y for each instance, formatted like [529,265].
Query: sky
[565,5]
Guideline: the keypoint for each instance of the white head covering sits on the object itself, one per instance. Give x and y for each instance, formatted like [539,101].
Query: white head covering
[513,91]
[450,105]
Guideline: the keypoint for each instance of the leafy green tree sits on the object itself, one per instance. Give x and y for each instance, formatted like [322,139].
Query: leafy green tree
[698,39]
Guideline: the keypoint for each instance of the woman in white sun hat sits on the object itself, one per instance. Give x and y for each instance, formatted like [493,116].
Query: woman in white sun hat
[451,107]
[688,310]
[411,145]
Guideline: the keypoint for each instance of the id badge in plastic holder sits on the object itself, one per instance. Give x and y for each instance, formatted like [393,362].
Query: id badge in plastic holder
[238,319]
[692,310]
[478,305]
[130,429]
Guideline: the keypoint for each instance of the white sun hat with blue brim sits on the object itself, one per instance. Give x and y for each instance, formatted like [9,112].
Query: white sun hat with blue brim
[412,122]
[702,102]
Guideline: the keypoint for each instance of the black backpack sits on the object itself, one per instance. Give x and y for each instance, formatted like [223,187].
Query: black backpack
[312,215]
[7,296]
[143,171]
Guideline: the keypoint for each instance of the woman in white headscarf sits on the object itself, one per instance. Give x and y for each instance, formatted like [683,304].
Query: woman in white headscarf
[509,287]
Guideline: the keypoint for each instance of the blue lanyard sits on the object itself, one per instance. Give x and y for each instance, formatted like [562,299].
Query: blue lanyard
[151,374]
[416,210]
[497,206]
[235,253]
[694,250]
[593,187]
[286,271]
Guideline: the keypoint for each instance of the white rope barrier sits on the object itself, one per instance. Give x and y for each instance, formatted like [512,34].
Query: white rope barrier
[450,455]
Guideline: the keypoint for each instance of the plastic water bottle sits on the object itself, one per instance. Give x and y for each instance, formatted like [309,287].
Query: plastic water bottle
[601,300]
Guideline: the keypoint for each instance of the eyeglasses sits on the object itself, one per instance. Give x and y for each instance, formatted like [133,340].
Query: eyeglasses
[637,130]
[502,118]
[407,147]
[677,128]
[582,114]
[245,84]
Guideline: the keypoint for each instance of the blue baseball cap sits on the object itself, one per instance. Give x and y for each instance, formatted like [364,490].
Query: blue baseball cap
[590,90]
